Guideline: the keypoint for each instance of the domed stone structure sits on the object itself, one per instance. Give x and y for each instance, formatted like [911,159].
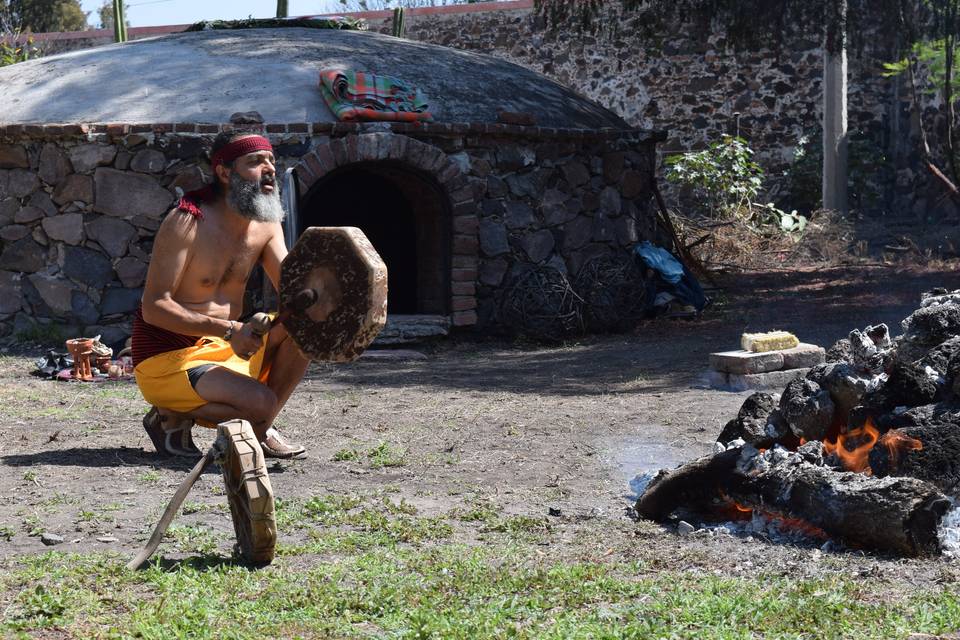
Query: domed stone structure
[95,144]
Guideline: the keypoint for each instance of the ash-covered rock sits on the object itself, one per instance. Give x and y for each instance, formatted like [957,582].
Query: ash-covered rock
[926,328]
[807,408]
[841,351]
[870,350]
[908,385]
[758,422]
[940,356]
[938,296]
[845,383]
[812,452]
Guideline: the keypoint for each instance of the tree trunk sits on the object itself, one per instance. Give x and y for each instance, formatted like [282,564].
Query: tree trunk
[835,113]
[898,515]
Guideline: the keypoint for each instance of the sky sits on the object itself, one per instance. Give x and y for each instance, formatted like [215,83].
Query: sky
[150,13]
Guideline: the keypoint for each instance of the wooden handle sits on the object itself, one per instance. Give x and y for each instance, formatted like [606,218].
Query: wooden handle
[260,324]
[171,510]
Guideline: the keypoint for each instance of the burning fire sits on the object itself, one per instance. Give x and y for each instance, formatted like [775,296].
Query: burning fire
[853,448]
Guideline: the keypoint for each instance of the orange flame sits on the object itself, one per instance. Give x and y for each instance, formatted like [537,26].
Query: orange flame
[853,447]
[897,442]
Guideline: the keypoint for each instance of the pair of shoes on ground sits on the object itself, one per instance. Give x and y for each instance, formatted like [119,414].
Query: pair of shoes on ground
[173,437]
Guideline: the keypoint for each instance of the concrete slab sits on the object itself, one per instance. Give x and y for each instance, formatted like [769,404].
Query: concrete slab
[206,76]
[773,380]
[746,362]
[804,355]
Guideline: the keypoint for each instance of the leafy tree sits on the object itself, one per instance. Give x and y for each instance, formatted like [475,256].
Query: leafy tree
[40,16]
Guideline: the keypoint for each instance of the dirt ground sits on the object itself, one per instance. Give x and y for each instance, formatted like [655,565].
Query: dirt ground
[533,430]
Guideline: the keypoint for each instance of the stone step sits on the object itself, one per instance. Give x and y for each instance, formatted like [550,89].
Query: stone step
[748,362]
[406,329]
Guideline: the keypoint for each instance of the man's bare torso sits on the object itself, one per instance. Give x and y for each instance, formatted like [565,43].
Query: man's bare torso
[219,263]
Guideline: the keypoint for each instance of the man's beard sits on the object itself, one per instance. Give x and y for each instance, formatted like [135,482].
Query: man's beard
[249,200]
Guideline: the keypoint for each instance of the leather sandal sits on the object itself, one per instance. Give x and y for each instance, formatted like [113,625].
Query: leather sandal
[170,437]
[274,446]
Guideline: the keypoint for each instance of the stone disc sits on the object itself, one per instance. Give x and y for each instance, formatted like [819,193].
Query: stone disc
[351,282]
[248,491]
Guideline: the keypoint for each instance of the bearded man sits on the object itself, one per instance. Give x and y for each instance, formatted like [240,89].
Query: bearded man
[194,361]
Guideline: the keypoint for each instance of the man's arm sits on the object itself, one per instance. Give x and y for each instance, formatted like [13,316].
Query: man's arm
[171,253]
[273,254]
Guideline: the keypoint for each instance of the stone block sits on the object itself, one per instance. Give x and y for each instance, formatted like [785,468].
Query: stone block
[87,266]
[13,156]
[803,355]
[131,271]
[67,227]
[8,209]
[751,381]
[493,238]
[518,215]
[124,195]
[11,298]
[87,157]
[75,188]
[24,255]
[120,300]
[113,235]
[746,362]
[41,200]
[148,161]
[575,173]
[492,272]
[22,183]
[55,292]
[14,232]
[54,165]
[28,214]
[537,245]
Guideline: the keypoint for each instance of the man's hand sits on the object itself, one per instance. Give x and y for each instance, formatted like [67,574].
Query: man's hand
[245,342]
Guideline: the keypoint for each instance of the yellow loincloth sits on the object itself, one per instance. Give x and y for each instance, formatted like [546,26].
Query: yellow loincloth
[163,378]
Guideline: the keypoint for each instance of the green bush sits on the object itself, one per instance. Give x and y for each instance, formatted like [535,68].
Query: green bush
[726,181]
[13,52]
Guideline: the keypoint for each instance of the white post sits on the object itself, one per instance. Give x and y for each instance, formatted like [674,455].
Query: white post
[835,130]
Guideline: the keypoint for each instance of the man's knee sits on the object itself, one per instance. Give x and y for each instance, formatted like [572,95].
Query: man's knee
[260,403]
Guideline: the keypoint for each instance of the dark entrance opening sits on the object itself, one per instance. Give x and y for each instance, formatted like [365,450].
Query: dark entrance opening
[404,214]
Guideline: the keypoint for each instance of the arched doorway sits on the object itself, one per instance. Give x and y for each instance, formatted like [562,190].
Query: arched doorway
[405,215]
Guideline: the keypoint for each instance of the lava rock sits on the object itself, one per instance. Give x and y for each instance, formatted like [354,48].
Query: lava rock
[907,386]
[812,452]
[751,422]
[844,383]
[940,356]
[927,328]
[808,409]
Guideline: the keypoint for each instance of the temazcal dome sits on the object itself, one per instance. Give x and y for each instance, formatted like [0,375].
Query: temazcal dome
[205,76]
[96,145]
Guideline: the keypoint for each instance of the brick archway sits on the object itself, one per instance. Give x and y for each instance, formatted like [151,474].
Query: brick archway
[419,156]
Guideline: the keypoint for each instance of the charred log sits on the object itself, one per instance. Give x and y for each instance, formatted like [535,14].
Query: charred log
[898,515]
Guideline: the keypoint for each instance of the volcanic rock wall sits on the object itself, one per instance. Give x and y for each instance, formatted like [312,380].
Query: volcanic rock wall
[80,205]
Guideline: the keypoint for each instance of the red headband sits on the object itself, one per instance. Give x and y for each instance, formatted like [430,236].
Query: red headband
[240,147]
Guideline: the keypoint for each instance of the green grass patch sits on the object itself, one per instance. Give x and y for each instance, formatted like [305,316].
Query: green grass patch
[448,592]
[386,455]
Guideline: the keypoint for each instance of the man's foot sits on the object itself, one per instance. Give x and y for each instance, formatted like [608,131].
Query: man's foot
[274,446]
[170,436]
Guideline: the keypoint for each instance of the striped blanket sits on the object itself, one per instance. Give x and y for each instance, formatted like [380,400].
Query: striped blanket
[356,96]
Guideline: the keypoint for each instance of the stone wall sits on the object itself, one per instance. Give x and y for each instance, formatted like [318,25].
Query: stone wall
[80,204]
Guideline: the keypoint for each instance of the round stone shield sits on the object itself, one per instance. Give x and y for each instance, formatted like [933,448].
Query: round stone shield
[350,279]
[248,491]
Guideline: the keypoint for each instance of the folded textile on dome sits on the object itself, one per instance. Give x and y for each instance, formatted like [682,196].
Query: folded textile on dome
[360,96]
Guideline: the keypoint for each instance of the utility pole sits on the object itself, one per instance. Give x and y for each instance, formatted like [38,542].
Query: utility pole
[282,8]
[119,22]
[835,111]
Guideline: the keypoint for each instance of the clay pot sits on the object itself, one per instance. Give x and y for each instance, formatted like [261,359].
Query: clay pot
[81,349]
[102,363]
